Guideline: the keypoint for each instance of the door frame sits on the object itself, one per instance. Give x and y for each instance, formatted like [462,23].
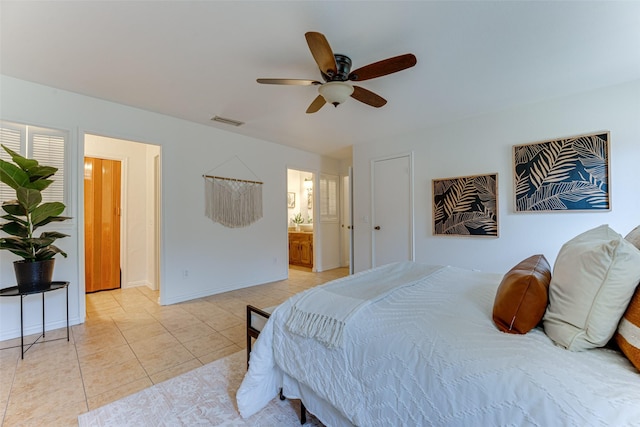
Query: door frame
[412,242]
[157,212]
[346,218]
[79,210]
[314,207]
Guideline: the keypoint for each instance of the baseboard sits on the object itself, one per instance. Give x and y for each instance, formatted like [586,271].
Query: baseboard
[137,284]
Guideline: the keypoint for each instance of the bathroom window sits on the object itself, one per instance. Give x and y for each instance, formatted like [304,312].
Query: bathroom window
[329,198]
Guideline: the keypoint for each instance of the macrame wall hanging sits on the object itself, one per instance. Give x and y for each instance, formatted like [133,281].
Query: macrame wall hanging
[232,202]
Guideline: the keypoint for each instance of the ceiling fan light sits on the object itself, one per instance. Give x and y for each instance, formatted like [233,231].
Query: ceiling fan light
[335,92]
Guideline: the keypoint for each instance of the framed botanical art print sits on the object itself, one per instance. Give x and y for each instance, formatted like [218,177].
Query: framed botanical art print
[568,174]
[466,206]
[291,200]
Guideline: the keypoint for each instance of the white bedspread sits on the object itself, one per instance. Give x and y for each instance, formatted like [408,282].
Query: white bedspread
[430,354]
[324,311]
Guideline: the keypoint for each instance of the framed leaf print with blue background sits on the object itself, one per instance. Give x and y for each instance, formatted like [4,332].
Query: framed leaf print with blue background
[567,174]
[466,206]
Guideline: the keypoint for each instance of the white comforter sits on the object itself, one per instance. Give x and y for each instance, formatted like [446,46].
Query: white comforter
[429,354]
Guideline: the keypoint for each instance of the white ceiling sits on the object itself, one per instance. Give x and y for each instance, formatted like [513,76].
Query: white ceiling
[194,60]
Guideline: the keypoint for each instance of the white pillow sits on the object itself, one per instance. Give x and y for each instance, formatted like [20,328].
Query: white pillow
[634,237]
[594,277]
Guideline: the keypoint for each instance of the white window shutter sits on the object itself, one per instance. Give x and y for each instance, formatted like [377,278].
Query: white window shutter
[329,198]
[48,149]
[13,138]
[47,146]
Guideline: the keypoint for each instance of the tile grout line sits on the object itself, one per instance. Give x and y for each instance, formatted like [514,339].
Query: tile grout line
[13,380]
[84,386]
[129,343]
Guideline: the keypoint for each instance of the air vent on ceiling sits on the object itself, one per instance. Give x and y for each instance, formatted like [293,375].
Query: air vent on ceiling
[227,121]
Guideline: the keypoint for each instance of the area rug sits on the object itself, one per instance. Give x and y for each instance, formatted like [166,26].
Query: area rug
[203,396]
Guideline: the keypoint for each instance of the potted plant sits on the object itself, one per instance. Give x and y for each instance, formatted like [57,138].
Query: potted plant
[27,213]
[297,220]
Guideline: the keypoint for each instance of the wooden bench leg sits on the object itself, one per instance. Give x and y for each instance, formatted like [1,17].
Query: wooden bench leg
[303,410]
[253,332]
[303,413]
[248,349]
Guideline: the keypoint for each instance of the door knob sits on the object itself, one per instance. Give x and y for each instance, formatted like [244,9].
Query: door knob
[377,227]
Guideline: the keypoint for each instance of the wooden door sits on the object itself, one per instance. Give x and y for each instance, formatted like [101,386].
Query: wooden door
[101,224]
[392,210]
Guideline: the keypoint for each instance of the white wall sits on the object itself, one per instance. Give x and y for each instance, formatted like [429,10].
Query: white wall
[215,258]
[484,144]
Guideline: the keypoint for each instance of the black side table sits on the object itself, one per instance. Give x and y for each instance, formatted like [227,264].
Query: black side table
[15,292]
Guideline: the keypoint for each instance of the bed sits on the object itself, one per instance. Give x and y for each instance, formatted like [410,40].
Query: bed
[427,351]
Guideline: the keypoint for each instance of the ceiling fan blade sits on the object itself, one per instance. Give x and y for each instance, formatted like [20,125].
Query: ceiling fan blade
[384,67]
[298,82]
[322,53]
[316,104]
[368,97]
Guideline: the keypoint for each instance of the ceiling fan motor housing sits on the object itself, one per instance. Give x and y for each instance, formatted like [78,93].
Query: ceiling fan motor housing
[343,68]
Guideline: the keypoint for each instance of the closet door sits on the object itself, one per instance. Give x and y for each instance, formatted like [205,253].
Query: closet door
[102,224]
[392,196]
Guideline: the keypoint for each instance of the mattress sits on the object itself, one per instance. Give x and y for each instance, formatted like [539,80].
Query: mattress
[429,354]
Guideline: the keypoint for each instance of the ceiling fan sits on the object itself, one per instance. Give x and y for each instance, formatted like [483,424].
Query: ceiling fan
[336,72]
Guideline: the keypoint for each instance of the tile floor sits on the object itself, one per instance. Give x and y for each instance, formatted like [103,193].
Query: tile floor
[128,343]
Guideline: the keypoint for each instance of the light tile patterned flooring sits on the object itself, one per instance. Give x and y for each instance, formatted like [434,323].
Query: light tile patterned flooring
[128,343]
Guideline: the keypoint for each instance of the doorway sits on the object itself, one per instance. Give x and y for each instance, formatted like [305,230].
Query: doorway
[314,220]
[301,226]
[138,210]
[392,198]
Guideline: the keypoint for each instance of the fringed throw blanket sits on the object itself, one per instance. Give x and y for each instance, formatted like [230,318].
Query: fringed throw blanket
[323,312]
[233,203]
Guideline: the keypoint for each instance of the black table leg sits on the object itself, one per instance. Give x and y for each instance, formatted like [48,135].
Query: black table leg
[43,315]
[21,327]
[67,289]
[14,291]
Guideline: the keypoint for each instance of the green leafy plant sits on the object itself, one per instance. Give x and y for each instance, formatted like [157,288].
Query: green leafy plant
[27,213]
[297,219]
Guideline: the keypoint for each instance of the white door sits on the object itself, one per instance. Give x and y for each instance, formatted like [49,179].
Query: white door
[392,219]
[328,210]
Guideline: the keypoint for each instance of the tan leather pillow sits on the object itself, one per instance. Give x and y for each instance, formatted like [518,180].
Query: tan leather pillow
[634,237]
[522,296]
[628,334]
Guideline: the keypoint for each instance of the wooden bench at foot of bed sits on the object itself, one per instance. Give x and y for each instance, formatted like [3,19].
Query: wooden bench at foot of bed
[256,319]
